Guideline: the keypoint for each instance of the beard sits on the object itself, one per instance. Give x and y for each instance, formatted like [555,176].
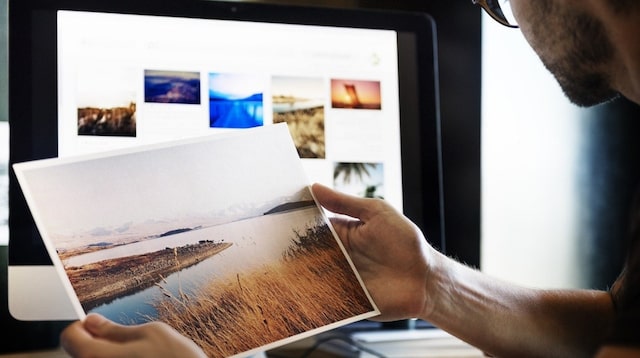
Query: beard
[575,48]
[584,88]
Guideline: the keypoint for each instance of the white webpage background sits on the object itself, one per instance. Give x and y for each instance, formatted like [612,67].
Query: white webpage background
[115,49]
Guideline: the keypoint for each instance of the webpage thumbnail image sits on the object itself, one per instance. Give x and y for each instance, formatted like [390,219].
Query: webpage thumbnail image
[235,100]
[299,102]
[357,94]
[365,180]
[106,102]
[171,87]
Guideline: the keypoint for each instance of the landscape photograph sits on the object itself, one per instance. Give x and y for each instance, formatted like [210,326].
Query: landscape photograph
[299,102]
[162,86]
[235,100]
[210,252]
[355,94]
[106,102]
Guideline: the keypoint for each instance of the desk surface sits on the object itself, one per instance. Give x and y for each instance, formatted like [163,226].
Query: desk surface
[406,344]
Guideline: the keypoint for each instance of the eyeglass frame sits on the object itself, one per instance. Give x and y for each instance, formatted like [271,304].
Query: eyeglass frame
[495,11]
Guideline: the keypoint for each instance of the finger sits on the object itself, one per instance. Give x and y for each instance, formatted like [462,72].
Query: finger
[101,327]
[74,337]
[341,203]
[342,227]
[79,342]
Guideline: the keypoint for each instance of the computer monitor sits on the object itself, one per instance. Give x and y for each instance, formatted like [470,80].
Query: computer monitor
[358,89]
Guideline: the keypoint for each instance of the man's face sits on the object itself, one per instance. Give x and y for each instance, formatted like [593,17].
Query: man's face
[572,44]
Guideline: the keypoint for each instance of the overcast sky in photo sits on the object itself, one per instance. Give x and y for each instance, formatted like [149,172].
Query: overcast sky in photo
[242,168]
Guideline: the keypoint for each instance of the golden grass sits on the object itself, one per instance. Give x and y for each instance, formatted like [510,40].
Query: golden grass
[311,286]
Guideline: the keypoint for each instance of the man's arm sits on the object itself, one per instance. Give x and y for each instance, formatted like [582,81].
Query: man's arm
[506,320]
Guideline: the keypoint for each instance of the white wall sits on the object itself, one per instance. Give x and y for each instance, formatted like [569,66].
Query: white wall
[530,139]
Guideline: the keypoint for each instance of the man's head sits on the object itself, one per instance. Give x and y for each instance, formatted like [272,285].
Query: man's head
[590,46]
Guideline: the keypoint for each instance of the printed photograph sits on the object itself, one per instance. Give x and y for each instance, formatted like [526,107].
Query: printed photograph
[235,100]
[235,262]
[171,87]
[106,102]
[360,179]
[356,94]
[299,102]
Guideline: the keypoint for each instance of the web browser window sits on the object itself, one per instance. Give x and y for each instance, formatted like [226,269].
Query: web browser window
[154,78]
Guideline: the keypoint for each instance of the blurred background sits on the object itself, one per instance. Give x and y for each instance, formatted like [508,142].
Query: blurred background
[537,191]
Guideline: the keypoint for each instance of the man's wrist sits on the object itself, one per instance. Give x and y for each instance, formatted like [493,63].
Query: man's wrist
[437,281]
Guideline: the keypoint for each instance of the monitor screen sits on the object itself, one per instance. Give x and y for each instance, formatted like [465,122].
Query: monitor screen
[358,90]
[337,88]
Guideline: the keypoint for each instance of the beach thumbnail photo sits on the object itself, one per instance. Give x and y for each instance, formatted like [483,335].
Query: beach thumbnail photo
[299,102]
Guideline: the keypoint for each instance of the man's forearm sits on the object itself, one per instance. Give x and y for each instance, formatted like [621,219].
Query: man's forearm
[506,320]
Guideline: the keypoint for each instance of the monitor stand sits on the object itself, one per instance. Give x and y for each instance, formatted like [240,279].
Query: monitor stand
[396,330]
[405,324]
[352,339]
[403,330]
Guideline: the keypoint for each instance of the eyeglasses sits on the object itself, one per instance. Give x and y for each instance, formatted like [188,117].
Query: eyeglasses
[501,14]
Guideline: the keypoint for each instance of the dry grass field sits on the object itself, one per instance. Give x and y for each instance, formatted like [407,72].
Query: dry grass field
[310,287]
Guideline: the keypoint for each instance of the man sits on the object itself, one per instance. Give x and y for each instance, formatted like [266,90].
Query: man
[592,48]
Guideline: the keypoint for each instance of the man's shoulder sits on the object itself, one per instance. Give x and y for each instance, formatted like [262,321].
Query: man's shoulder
[626,290]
